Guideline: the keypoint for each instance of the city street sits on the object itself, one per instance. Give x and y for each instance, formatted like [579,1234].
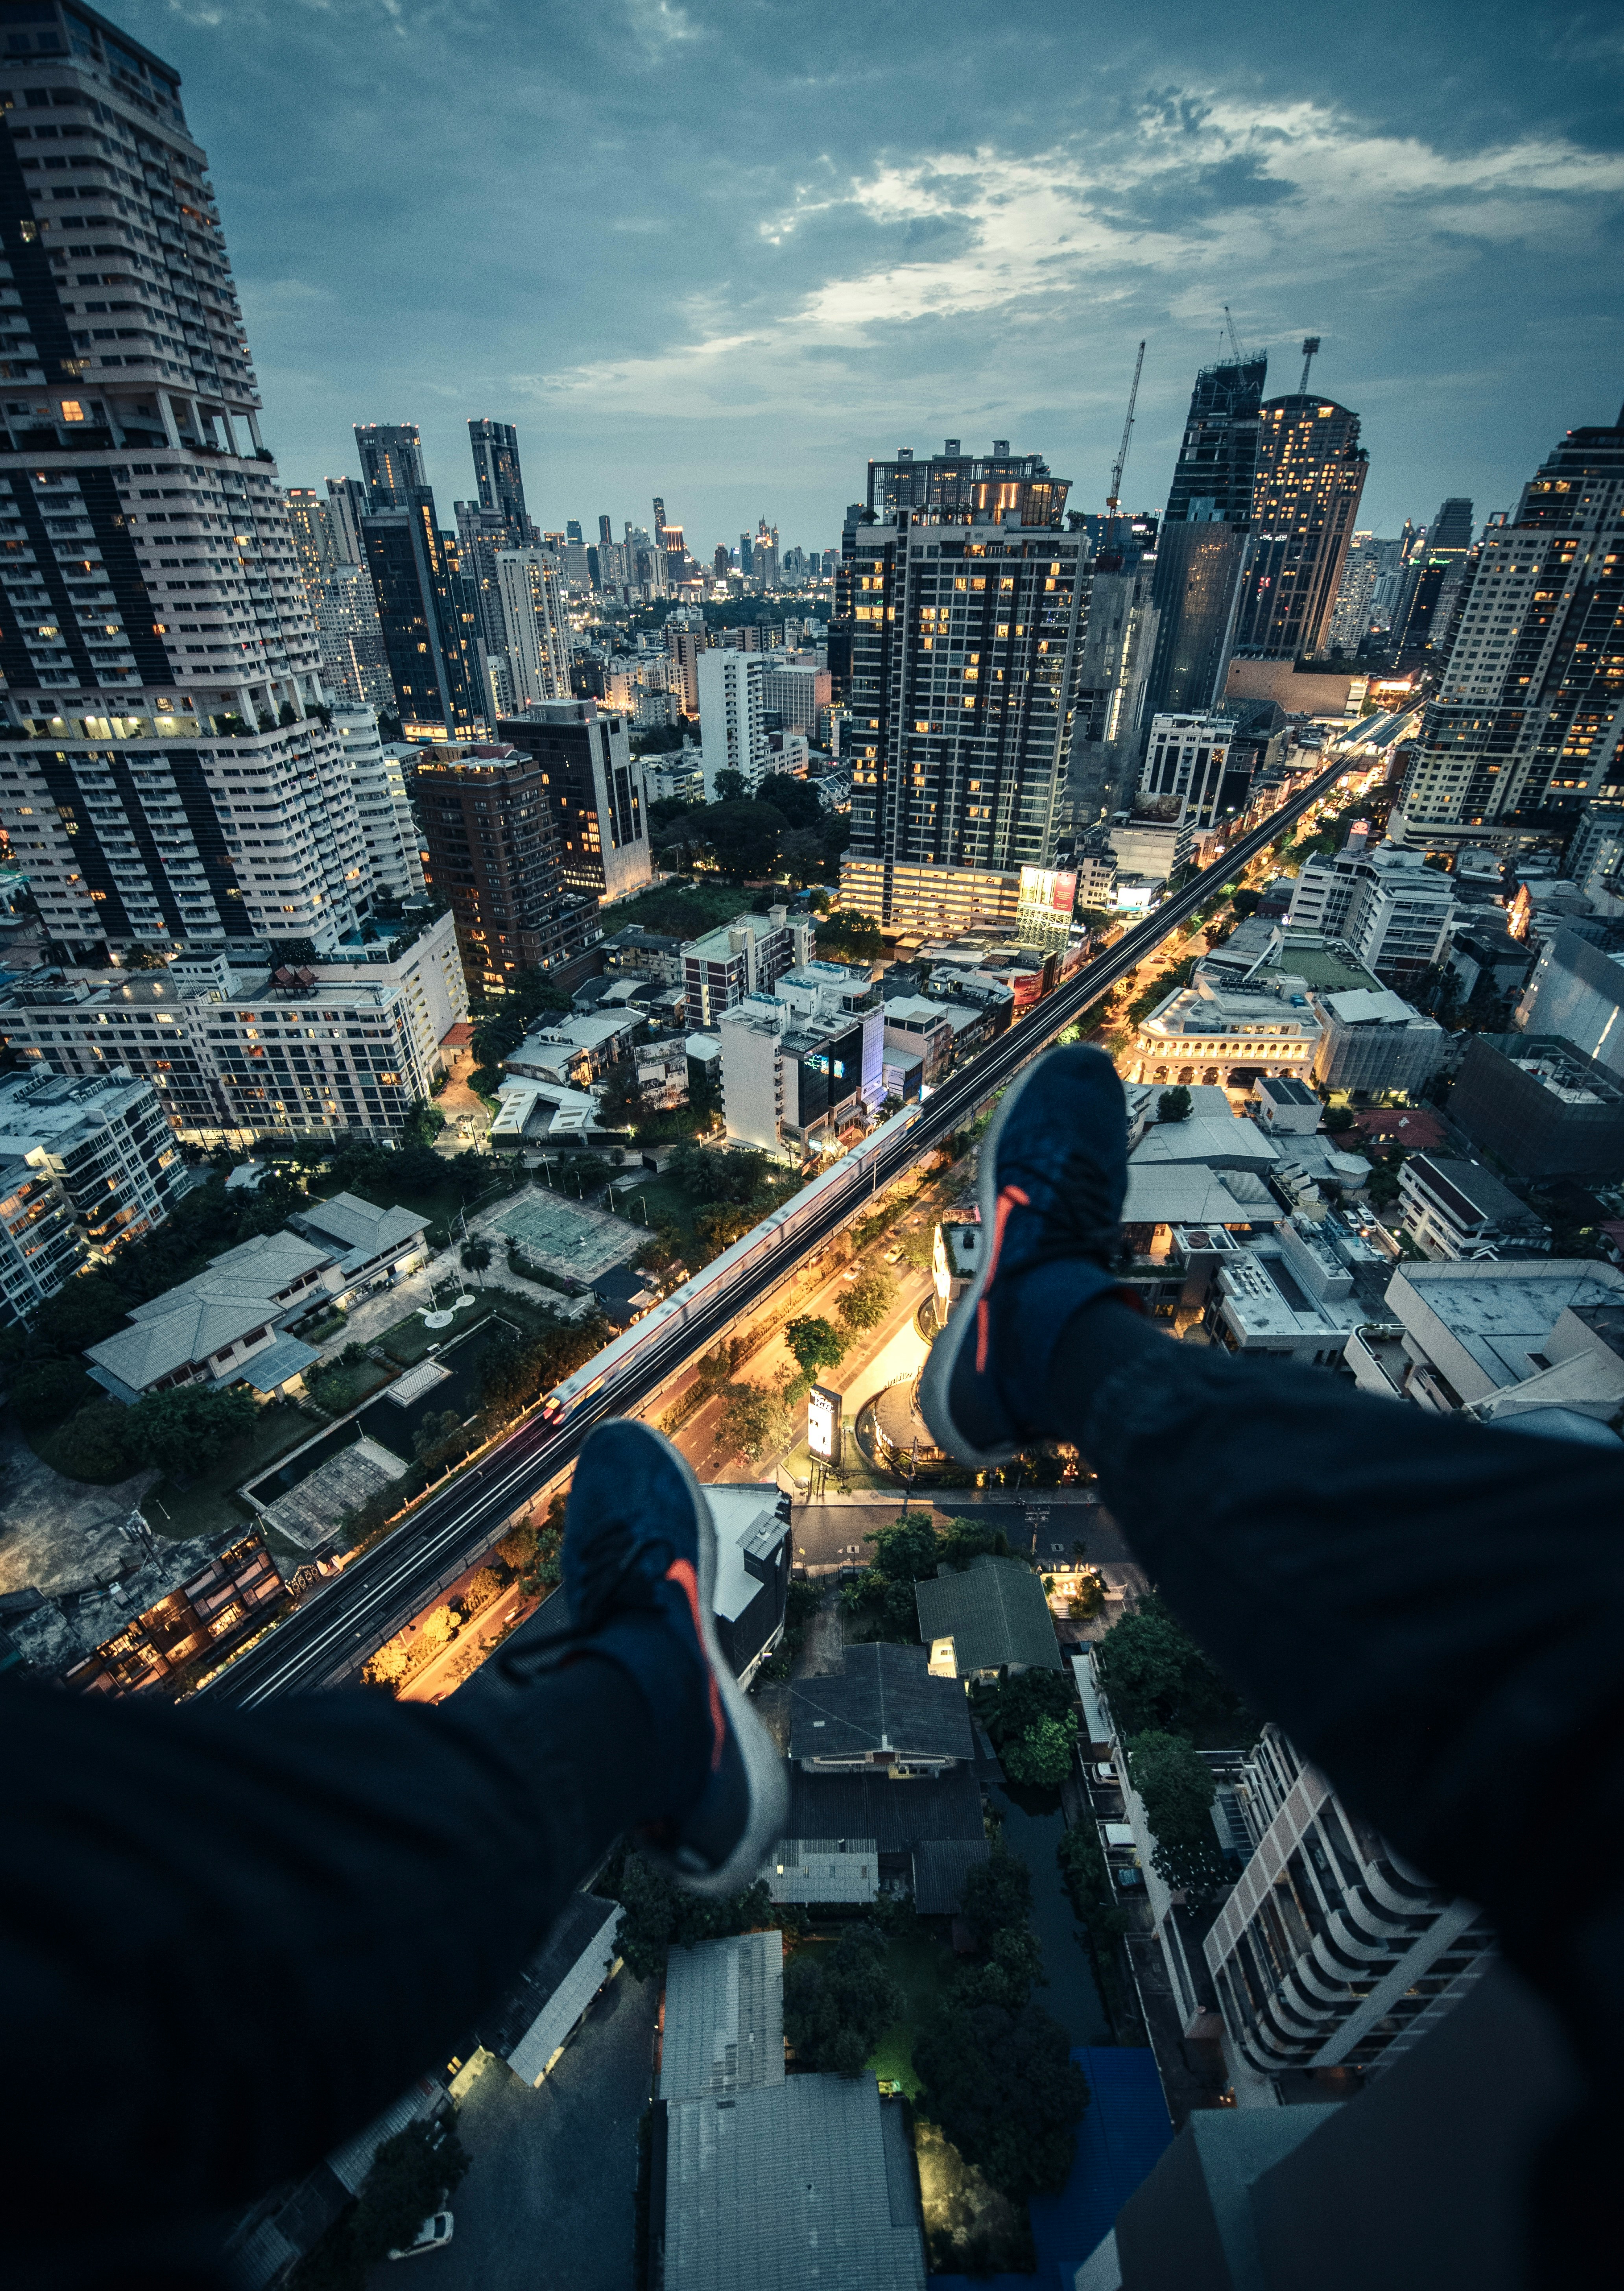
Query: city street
[830,1534]
[548,2199]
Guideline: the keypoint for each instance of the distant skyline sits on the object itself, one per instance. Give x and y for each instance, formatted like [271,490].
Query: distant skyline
[725,252]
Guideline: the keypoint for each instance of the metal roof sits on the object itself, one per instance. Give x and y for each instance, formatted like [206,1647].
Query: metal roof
[886,1701]
[940,1867]
[788,2189]
[724,2017]
[555,1988]
[898,1816]
[994,1612]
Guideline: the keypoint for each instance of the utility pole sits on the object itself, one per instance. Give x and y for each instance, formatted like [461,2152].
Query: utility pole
[1113,499]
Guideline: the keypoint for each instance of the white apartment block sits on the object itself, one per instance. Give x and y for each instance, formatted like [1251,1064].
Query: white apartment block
[377,780]
[1458,1208]
[87,1163]
[747,956]
[532,599]
[1211,1029]
[161,769]
[797,690]
[354,663]
[343,1049]
[1374,1041]
[1331,1951]
[1390,909]
[1186,760]
[1498,1340]
[733,716]
[802,1060]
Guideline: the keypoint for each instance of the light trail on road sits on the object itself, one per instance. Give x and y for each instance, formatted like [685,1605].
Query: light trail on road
[326,1639]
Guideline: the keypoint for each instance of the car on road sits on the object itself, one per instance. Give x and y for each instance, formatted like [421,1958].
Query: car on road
[433,2235]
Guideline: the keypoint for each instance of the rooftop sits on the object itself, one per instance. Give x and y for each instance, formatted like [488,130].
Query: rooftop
[994,1612]
[884,1703]
[724,2017]
[898,1816]
[1498,1313]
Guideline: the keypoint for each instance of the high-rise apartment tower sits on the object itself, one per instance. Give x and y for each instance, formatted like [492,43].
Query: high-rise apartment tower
[392,463]
[967,606]
[1311,470]
[1527,727]
[162,774]
[1202,548]
[496,472]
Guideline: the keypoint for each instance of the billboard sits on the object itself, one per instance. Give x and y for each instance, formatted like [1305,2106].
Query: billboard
[823,1424]
[1045,887]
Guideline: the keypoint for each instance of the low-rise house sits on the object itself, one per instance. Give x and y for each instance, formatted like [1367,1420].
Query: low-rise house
[723,2031]
[924,1028]
[1285,1105]
[956,1258]
[374,1247]
[546,2005]
[577,1051]
[1459,1208]
[1497,1338]
[644,954]
[823,1870]
[883,1710]
[993,1616]
[227,1325]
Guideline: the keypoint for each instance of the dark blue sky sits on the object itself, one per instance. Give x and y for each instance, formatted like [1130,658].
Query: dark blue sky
[726,249]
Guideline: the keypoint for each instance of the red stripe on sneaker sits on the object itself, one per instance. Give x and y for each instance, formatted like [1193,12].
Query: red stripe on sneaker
[681,1573]
[1008,1199]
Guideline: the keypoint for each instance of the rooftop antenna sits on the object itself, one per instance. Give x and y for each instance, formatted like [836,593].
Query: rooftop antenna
[1234,339]
[1311,343]
[1113,499]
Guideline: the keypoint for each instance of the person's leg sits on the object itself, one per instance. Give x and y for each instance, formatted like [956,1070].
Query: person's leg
[1432,1609]
[227,1940]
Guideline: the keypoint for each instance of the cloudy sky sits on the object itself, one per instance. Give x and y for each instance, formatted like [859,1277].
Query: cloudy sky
[726,249]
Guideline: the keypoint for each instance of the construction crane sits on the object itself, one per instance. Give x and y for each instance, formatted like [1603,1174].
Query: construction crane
[1234,339]
[1311,343]
[1113,499]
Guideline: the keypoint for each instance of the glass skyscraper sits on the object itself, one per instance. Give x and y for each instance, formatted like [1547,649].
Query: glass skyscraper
[496,473]
[164,775]
[1201,547]
[1311,472]
[1527,727]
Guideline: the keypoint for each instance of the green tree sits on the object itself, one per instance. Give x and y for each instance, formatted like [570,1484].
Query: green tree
[1157,1678]
[723,1223]
[964,1540]
[1007,1709]
[1088,1880]
[47,1390]
[816,1343]
[476,1254]
[743,838]
[190,1426]
[1041,1757]
[1178,1789]
[997,1895]
[408,2175]
[1338,1119]
[738,1174]
[658,1914]
[1244,903]
[838,2002]
[847,934]
[94,1443]
[867,1301]
[1005,2090]
[731,786]
[1173,1105]
[754,1420]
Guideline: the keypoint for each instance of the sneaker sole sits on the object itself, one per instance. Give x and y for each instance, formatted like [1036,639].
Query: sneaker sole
[937,1378]
[763,1768]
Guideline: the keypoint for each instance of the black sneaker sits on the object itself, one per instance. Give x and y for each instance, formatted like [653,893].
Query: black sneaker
[1054,1169]
[638,1540]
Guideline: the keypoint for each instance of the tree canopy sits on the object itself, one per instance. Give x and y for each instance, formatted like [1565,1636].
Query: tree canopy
[1003,2087]
[816,1343]
[867,1301]
[1040,1756]
[658,1915]
[847,934]
[189,1426]
[1158,1679]
[1176,1787]
[839,2001]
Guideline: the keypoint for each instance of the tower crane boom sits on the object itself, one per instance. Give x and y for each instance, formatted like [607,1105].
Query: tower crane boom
[1113,499]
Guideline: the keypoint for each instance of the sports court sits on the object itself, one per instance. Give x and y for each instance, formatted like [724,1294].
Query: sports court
[565,1237]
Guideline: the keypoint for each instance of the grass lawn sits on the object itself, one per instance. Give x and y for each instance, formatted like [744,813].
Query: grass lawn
[921,1965]
[341,1389]
[668,1203]
[680,911]
[408,1341]
[206,1505]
